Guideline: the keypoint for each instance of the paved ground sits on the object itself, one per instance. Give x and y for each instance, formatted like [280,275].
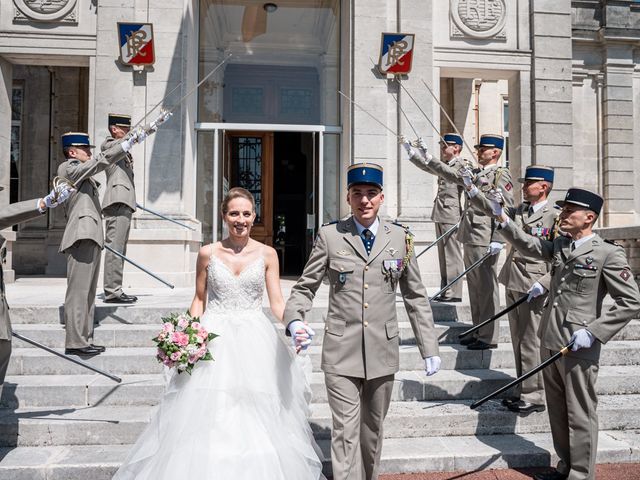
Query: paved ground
[618,471]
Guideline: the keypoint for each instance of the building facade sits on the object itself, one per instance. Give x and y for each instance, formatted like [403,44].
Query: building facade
[255,90]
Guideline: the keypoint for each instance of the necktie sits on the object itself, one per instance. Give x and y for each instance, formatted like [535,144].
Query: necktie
[573,246]
[530,212]
[367,238]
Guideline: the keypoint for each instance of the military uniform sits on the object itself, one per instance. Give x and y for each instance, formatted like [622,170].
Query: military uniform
[11,215]
[118,206]
[360,351]
[446,213]
[477,230]
[580,279]
[83,240]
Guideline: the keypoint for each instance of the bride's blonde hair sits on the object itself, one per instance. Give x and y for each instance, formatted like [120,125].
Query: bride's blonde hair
[236,192]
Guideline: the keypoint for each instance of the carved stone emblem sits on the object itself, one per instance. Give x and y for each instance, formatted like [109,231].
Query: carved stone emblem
[478,18]
[46,10]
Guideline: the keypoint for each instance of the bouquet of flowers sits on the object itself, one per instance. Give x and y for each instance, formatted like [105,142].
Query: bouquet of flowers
[182,342]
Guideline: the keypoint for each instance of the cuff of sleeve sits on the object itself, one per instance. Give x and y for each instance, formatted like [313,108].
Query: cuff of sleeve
[38,206]
[505,223]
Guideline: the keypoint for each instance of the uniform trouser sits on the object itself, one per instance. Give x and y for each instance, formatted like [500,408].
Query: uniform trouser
[117,226]
[450,258]
[484,298]
[5,355]
[569,384]
[524,322]
[358,407]
[83,265]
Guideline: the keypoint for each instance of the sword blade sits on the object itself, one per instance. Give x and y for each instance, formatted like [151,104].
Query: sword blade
[406,90]
[371,115]
[127,259]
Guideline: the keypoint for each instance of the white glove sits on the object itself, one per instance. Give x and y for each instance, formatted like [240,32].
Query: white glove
[495,247]
[432,365]
[160,119]
[496,200]
[582,338]
[536,290]
[301,334]
[415,154]
[467,177]
[138,135]
[58,195]
[422,145]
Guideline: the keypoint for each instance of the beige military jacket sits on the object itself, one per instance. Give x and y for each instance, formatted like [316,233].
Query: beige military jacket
[521,270]
[447,206]
[120,186]
[361,328]
[477,227]
[579,282]
[84,221]
[12,215]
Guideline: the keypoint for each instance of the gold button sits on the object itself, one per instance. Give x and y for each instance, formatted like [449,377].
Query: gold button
[555,304]
[562,279]
[366,305]
[559,292]
[366,324]
[342,269]
[366,267]
[366,285]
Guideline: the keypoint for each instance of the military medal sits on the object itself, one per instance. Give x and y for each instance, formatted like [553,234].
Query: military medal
[392,268]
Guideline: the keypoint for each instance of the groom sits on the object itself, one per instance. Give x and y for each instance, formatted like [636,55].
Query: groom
[365,259]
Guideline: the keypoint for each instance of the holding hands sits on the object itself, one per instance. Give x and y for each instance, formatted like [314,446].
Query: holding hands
[301,334]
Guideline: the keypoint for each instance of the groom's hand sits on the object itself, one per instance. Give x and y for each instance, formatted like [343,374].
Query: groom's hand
[301,334]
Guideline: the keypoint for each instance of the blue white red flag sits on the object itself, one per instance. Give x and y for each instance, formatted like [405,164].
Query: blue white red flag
[136,43]
[396,53]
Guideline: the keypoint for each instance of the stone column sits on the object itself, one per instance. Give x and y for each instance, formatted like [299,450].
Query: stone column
[617,107]
[6,85]
[552,136]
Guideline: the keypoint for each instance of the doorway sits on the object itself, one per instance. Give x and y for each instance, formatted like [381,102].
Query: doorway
[279,169]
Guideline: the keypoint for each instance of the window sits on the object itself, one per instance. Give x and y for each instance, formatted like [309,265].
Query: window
[17,102]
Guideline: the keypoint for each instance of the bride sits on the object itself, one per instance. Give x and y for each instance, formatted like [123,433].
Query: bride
[243,415]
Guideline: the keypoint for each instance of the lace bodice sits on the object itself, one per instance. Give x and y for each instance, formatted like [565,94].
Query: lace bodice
[226,291]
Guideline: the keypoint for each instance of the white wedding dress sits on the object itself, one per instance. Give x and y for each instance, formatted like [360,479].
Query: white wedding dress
[242,416]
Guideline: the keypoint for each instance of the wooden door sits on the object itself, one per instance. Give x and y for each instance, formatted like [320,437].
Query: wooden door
[249,161]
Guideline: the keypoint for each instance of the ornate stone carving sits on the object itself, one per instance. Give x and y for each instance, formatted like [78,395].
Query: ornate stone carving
[480,19]
[46,11]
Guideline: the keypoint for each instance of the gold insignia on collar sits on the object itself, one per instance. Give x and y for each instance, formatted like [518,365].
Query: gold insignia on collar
[343,253]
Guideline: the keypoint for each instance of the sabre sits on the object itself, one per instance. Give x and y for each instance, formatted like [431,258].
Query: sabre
[157,105]
[449,118]
[452,282]
[66,357]
[164,217]
[522,378]
[361,108]
[444,235]
[115,252]
[421,110]
[517,303]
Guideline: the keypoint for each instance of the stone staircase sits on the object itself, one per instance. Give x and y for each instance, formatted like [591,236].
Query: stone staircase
[60,422]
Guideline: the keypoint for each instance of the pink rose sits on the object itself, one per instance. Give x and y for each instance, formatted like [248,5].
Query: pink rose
[193,358]
[167,327]
[180,338]
[183,322]
[167,361]
[196,325]
[175,356]
[161,354]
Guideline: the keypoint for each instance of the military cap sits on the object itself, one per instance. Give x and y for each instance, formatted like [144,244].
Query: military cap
[537,173]
[119,120]
[582,198]
[452,138]
[491,140]
[76,139]
[364,173]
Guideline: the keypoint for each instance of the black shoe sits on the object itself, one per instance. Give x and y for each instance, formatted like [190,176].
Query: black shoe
[99,347]
[123,298]
[526,407]
[84,351]
[509,400]
[468,340]
[480,345]
[555,475]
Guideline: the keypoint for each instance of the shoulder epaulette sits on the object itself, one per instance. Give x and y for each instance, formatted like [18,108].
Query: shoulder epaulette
[404,227]
[612,242]
[330,223]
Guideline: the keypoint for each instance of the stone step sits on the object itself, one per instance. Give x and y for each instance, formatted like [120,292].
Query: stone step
[136,360]
[118,335]
[116,425]
[401,455]
[83,390]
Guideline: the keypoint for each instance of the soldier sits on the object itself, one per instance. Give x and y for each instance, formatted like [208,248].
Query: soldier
[83,239]
[584,268]
[12,215]
[446,213]
[118,206]
[477,230]
[519,273]
[365,259]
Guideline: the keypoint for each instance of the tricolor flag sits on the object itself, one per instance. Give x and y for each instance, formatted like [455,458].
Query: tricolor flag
[396,53]
[136,43]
